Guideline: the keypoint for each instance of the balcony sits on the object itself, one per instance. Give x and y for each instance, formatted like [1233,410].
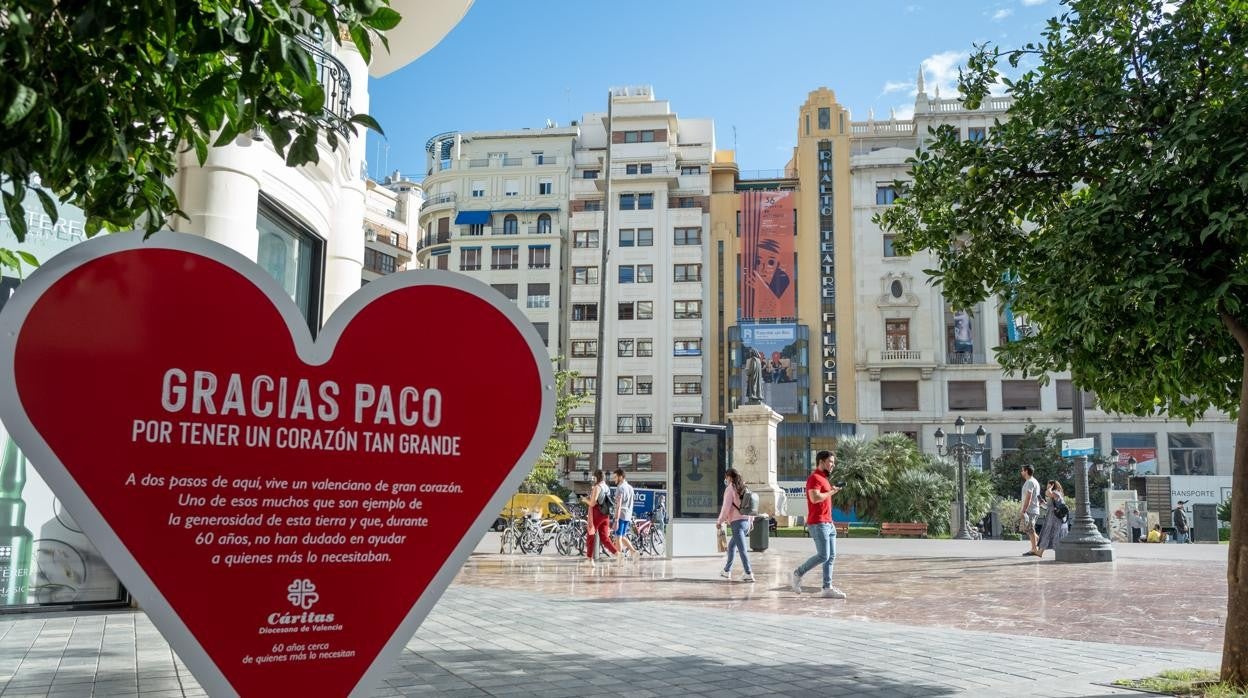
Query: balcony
[336,81]
[880,359]
[438,200]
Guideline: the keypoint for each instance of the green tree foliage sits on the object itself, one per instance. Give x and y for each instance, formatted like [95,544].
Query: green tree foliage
[919,495]
[865,479]
[1111,208]
[98,97]
[545,474]
[979,486]
[1224,511]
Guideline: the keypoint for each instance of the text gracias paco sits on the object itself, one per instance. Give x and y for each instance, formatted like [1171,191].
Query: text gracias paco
[281,397]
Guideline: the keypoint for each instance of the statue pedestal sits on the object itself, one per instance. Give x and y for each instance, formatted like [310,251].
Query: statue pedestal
[754,453]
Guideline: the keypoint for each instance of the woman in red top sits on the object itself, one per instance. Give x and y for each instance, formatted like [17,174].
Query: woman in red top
[597,520]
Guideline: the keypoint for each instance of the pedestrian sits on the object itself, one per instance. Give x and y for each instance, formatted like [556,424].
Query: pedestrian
[1030,509]
[624,498]
[1182,533]
[730,514]
[819,493]
[599,494]
[1057,524]
[1155,535]
[1137,526]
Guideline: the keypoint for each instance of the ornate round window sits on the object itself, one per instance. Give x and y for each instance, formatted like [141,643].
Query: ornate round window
[896,289]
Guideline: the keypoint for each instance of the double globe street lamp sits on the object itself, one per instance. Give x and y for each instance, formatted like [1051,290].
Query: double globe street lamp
[962,452]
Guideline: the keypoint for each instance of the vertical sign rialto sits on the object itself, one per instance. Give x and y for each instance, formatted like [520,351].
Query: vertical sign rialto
[827,277]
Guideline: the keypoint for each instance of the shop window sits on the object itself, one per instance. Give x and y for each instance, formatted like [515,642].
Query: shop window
[1191,454]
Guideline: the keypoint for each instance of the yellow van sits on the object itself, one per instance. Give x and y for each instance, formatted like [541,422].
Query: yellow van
[548,505]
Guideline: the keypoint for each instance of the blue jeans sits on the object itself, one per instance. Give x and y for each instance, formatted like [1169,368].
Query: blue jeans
[1182,536]
[824,535]
[739,529]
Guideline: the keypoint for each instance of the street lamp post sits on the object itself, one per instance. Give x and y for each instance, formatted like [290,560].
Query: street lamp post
[961,452]
[1084,543]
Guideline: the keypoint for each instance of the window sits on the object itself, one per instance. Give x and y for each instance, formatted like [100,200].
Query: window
[645,385]
[543,224]
[645,460]
[582,425]
[584,275]
[687,272]
[899,395]
[645,424]
[585,312]
[478,189]
[624,385]
[645,310]
[624,424]
[1141,446]
[590,174]
[1191,454]
[968,395]
[539,257]
[687,418]
[645,347]
[379,262]
[687,310]
[624,460]
[545,186]
[511,291]
[294,256]
[687,385]
[645,273]
[538,296]
[504,257]
[624,348]
[645,237]
[628,237]
[897,335]
[584,348]
[691,169]
[585,385]
[636,310]
[1065,397]
[642,168]
[584,239]
[628,202]
[511,187]
[885,194]
[890,248]
[687,347]
[626,311]
[825,118]
[476,229]
[976,133]
[543,331]
[443,261]
[592,205]
[627,273]
[639,136]
[687,236]
[645,202]
[1020,395]
[469,258]
[511,225]
[539,158]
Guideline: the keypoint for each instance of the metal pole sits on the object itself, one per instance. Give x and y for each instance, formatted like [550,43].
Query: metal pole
[1084,543]
[604,238]
[963,533]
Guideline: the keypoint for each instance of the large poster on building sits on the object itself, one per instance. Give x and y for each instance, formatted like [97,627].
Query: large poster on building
[45,558]
[1145,460]
[781,363]
[767,274]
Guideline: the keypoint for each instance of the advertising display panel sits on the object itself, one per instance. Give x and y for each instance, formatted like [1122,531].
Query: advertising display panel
[767,276]
[245,481]
[701,457]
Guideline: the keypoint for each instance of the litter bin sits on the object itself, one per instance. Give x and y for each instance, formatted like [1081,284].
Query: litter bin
[760,536]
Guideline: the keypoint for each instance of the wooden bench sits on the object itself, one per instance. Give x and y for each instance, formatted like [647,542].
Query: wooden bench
[842,529]
[916,530]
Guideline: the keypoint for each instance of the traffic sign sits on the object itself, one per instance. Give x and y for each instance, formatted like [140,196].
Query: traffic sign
[1077,447]
[286,509]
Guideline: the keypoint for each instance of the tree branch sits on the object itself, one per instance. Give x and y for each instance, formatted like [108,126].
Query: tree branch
[1238,330]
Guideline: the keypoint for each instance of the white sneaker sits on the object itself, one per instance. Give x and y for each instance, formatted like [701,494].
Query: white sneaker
[726,574]
[833,593]
[748,578]
[796,582]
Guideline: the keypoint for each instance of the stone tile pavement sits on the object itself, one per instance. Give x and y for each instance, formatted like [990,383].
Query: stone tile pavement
[506,642]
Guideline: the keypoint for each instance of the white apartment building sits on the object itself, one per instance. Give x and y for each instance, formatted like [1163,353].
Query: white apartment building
[656,340]
[920,363]
[390,211]
[496,208]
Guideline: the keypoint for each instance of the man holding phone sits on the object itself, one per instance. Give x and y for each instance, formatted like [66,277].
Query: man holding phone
[819,493]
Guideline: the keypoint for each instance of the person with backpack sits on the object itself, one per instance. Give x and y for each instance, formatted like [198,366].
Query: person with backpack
[1057,525]
[737,511]
[599,503]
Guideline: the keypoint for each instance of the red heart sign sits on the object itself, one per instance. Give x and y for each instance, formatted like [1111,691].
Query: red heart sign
[286,511]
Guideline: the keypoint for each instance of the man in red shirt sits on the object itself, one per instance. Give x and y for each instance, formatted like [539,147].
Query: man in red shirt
[819,493]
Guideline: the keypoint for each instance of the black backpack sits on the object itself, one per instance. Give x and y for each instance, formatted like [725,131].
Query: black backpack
[1060,510]
[606,505]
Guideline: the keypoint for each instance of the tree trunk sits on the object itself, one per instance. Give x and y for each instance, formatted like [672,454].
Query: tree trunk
[1235,644]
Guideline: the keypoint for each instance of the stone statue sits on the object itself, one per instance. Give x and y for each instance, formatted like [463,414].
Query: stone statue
[753,378]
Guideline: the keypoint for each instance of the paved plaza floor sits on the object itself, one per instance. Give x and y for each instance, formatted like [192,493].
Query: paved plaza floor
[923,618]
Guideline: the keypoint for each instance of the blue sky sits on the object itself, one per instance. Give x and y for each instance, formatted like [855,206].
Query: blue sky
[514,64]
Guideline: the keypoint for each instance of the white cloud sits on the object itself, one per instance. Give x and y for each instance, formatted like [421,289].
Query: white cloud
[941,70]
[897,86]
[1033,3]
[1001,14]
[911,9]
[905,112]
